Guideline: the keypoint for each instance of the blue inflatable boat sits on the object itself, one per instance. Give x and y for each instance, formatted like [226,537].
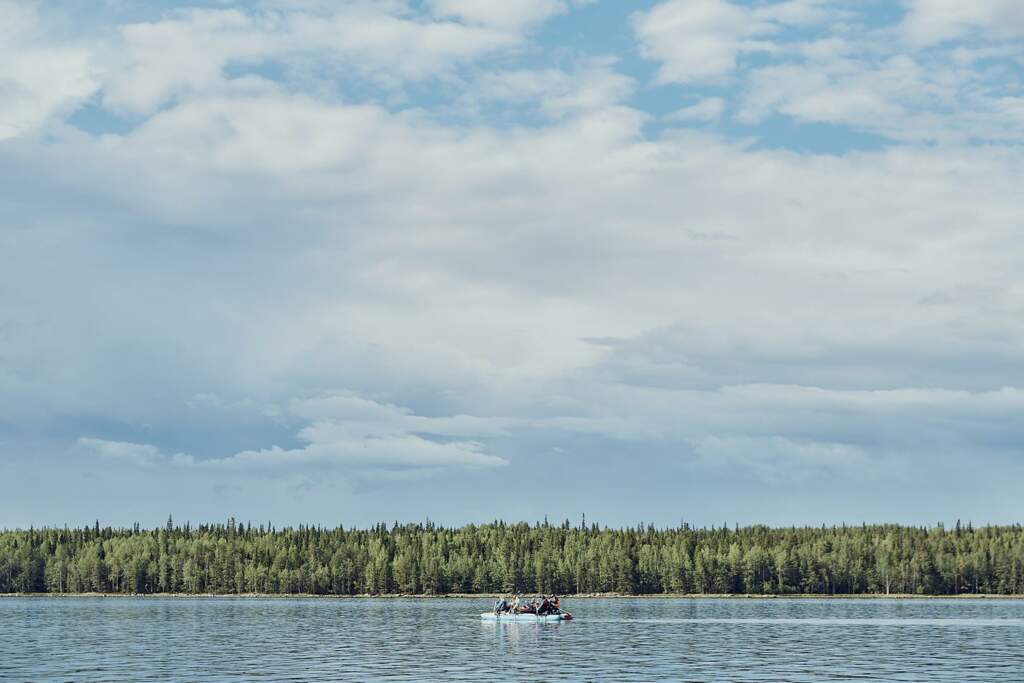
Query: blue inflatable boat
[527,617]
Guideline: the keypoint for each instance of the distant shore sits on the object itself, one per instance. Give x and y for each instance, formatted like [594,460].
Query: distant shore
[492,596]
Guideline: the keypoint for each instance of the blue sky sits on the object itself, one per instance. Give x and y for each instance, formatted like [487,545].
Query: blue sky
[342,262]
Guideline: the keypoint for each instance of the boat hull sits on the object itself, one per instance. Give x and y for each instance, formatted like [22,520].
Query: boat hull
[529,618]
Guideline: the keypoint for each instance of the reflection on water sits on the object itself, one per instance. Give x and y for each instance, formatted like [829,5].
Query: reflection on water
[223,639]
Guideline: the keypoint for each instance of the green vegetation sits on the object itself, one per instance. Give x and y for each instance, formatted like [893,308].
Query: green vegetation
[425,558]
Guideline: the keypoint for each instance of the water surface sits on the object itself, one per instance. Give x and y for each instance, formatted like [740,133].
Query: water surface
[275,639]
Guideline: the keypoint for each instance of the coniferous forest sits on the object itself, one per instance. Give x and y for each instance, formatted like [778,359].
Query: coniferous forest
[500,557]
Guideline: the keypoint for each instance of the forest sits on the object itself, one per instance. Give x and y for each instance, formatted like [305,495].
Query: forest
[425,558]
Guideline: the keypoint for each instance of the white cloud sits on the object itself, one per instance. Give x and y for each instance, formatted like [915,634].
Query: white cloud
[40,78]
[934,21]
[590,86]
[142,455]
[904,81]
[389,452]
[843,91]
[698,40]
[502,13]
[707,109]
[337,416]
[582,280]
[345,430]
[501,234]
[779,459]
[189,51]
[185,53]
[346,406]
[798,12]
[872,86]
[774,432]
[394,49]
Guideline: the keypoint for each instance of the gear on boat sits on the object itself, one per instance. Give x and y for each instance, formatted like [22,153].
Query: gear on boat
[542,608]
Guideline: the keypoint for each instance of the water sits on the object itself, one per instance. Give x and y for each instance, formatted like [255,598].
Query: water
[225,639]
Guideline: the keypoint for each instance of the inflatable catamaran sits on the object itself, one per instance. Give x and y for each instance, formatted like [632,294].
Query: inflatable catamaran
[535,618]
[536,610]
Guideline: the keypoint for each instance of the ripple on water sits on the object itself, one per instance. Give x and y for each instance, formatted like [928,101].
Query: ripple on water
[215,640]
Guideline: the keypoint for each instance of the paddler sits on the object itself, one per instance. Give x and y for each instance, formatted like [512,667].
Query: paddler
[545,606]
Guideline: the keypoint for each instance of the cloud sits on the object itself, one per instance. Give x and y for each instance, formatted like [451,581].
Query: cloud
[821,63]
[41,78]
[778,459]
[799,13]
[346,431]
[397,452]
[933,97]
[590,86]
[189,51]
[144,456]
[707,109]
[904,82]
[340,415]
[843,91]
[698,40]
[184,53]
[933,21]
[141,455]
[500,13]
[460,262]
[484,239]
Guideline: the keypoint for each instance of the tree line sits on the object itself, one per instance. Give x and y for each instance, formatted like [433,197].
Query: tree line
[501,557]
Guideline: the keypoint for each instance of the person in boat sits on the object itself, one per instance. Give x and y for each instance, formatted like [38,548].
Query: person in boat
[514,607]
[501,605]
[551,605]
[545,606]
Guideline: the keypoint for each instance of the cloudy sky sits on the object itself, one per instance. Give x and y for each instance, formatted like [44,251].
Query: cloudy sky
[341,262]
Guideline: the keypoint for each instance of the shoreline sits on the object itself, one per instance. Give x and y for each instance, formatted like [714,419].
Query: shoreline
[492,596]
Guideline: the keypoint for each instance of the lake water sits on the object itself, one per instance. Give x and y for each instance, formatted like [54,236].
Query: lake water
[228,639]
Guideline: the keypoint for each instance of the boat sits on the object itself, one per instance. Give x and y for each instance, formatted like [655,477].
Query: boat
[527,617]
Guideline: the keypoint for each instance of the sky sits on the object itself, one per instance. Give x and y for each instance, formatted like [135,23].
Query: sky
[721,262]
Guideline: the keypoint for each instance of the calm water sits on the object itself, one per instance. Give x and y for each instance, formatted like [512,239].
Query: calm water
[141,639]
